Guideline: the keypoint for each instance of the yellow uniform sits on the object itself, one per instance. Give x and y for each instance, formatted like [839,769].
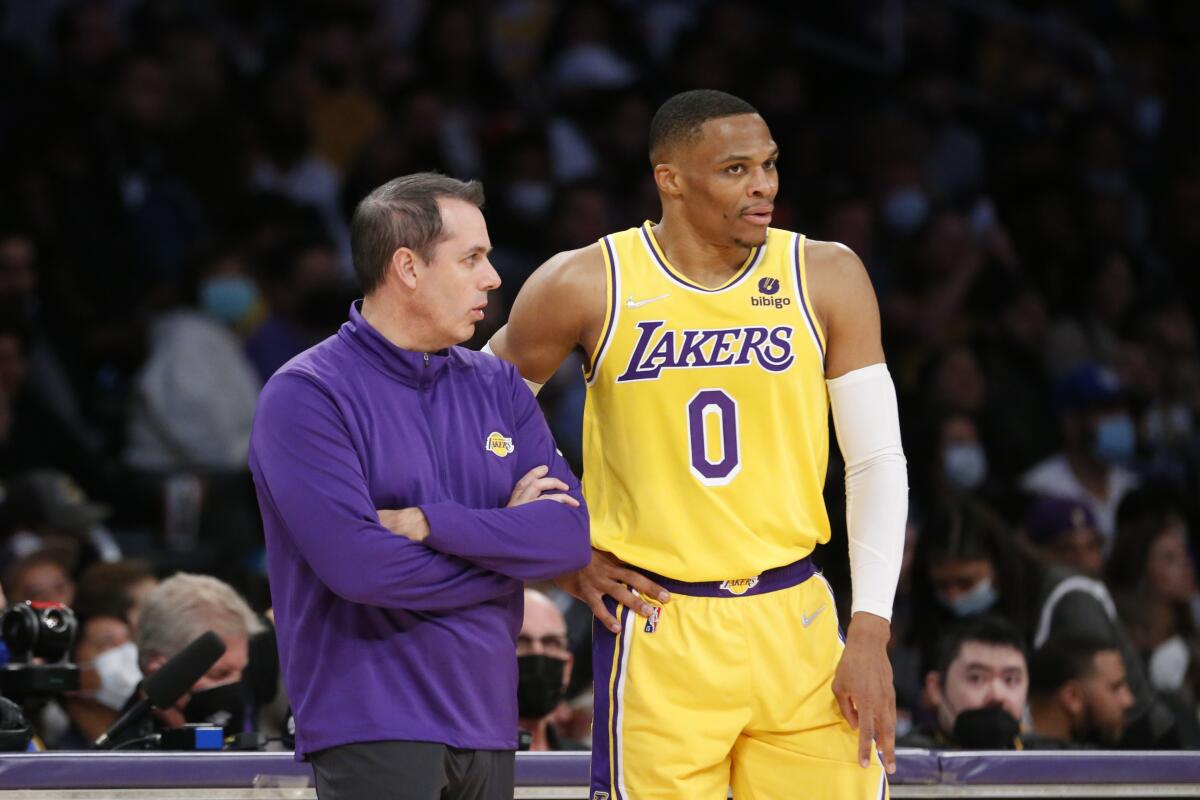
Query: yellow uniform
[705,448]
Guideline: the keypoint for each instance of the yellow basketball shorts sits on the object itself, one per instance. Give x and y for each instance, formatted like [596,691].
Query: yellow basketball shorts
[729,684]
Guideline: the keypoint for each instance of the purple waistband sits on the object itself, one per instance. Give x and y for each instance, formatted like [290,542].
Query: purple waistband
[770,581]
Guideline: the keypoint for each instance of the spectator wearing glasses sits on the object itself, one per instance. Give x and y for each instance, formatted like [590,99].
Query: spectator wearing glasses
[544,663]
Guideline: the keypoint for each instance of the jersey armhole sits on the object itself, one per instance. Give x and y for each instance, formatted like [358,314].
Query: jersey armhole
[802,295]
[612,289]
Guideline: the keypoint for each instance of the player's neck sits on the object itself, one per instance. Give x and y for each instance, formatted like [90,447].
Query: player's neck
[698,259]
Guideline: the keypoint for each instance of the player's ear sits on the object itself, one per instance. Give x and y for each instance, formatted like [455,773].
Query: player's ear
[666,176]
[404,266]
[933,688]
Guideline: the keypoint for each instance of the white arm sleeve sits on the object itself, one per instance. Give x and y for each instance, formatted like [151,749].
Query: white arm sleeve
[533,387]
[868,430]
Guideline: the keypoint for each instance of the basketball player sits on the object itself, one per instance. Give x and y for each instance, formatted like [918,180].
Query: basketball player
[715,346]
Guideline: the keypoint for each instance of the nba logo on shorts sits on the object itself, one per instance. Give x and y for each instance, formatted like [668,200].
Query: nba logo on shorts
[599,795]
[740,586]
[768,285]
[652,620]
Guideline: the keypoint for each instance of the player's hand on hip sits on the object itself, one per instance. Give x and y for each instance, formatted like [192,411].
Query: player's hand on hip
[608,575]
[863,687]
[534,484]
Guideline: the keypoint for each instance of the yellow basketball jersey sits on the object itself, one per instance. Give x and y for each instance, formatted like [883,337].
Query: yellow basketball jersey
[706,429]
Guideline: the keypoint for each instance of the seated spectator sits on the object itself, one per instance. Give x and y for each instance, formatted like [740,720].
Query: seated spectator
[543,671]
[978,689]
[1098,438]
[1063,532]
[47,508]
[127,581]
[108,677]
[1078,695]
[40,577]
[175,613]
[1153,579]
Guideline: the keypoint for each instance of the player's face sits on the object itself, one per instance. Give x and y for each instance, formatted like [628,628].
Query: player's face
[453,285]
[984,675]
[1107,697]
[728,180]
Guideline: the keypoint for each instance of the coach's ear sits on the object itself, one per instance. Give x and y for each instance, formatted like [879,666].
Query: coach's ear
[404,266]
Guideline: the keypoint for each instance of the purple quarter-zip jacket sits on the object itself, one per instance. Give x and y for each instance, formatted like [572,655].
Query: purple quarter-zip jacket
[380,637]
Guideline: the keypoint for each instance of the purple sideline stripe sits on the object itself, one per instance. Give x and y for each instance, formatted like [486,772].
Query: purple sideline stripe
[751,263]
[770,581]
[611,266]
[804,303]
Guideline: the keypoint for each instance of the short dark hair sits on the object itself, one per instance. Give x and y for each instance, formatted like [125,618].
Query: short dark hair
[986,629]
[1064,658]
[679,119]
[402,213]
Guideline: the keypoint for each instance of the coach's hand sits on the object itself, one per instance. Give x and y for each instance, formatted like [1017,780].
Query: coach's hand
[538,484]
[863,687]
[608,575]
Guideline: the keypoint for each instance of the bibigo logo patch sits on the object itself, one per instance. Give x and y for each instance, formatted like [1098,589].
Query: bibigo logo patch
[740,586]
[498,444]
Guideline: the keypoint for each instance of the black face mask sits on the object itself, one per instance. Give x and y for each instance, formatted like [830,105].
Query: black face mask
[539,685]
[988,728]
[223,705]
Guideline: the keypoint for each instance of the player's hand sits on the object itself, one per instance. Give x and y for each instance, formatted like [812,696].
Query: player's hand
[863,688]
[534,483]
[407,522]
[608,575]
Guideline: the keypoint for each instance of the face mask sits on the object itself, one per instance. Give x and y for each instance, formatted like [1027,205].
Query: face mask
[119,675]
[981,597]
[988,728]
[229,298]
[965,465]
[539,685]
[223,705]
[1169,665]
[905,209]
[1115,439]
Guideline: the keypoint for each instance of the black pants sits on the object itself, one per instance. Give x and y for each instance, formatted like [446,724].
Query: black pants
[412,771]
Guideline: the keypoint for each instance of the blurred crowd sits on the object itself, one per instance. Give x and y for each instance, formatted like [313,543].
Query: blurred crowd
[1022,181]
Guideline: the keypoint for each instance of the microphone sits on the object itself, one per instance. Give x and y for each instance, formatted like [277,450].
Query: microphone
[171,682]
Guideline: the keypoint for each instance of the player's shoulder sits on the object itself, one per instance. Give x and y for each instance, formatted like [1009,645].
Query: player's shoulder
[575,268]
[833,257]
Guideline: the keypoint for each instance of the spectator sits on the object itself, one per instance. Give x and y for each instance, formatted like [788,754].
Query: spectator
[108,677]
[544,664]
[978,689]
[40,577]
[175,613]
[1099,438]
[124,584]
[1078,694]
[1064,532]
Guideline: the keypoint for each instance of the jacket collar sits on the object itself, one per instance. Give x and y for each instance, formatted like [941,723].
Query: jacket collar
[410,367]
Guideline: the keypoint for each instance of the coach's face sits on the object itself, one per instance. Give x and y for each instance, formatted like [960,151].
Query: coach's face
[452,287]
[727,180]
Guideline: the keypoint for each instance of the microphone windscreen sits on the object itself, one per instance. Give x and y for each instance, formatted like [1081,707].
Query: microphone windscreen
[181,671]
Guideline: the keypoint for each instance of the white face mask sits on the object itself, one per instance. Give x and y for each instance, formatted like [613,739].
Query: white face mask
[1169,665]
[119,675]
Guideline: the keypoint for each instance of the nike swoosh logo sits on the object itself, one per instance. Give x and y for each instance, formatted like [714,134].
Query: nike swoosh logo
[631,303]
[806,620]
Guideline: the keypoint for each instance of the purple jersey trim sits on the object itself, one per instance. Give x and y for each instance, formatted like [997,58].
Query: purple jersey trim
[770,581]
